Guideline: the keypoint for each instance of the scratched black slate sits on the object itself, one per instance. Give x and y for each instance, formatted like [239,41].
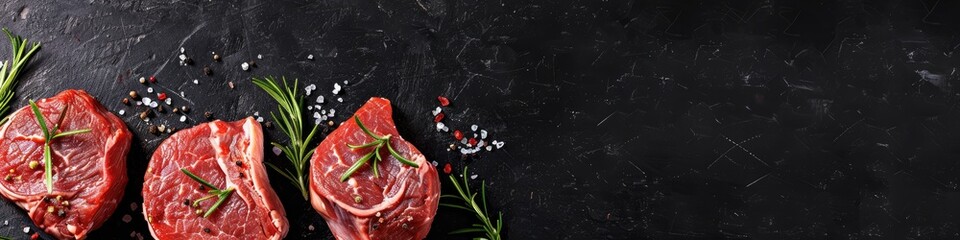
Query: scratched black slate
[623,119]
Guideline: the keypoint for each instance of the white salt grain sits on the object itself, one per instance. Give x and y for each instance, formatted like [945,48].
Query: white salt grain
[122,112]
[435,163]
[310,57]
[26,229]
[336,88]
[139,103]
[146,101]
[436,111]
[259,56]
[320,99]
[473,176]
[182,50]
[473,127]
[339,99]
[256,113]
[277,151]
[316,115]
[150,90]
[483,134]
[196,82]
[154,105]
[317,121]
[309,107]
[498,144]
[489,148]
[259,119]
[6,222]
[440,126]
[183,118]
[169,101]
[245,66]
[345,82]
[183,57]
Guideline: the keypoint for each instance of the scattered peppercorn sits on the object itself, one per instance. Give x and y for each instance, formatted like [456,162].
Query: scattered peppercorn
[160,109]
[438,118]
[357,198]
[447,168]
[207,71]
[201,187]
[153,79]
[153,130]
[206,230]
[230,84]
[208,115]
[145,114]
[33,164]
[125,101]
[239,163]
[61,213]
[472,141]
[457,134]
[443,101]
[184,109]
[268,124]
[176,110]
[162,96]
[143,80]
[453,147]
[134,95]
[330,123]
[216,57]
[253,63]
[50,209]
[186,202]
[188,61]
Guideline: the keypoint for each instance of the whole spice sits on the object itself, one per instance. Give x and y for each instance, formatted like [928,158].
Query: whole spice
[378,143]
[443,101]
[438,118]
[216,57]
[153,79]
[208,115]
[134,95]
[207,71]
[162,96]
[125,101]
[457,134]
[184,109]
[143,80]
[153,130]
[221,195]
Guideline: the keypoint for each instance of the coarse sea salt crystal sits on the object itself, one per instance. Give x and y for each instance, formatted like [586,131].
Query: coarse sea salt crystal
[183,57]
[345,82]
[127,218]
[318,107]
[146,101]
[440,126]
[473,176]
[183,118]
[309,107]
[182,50]
[499,144]
[150,89]
[320,99]
[154,104]
[26,229]
[436,111]
[310,57]
[323,112]
[317,121]
[196,82]
[245,66]
[339,99]
[139,103]
[435,163]
[336,88]
[277,151]
[473,127]
[259,56]
[316,115]
[259,119]
[169,101]
[483,134]
[121,112]
[489,148]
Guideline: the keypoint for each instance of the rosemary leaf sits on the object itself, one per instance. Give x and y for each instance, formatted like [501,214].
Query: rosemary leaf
[289,118]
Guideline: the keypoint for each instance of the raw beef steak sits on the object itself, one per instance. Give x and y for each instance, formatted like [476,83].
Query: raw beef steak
[89,169]
[227,155]
[400,204]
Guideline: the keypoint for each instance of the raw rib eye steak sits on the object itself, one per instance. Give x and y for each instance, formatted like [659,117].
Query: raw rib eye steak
[227,155]
[89,169]
[400,204]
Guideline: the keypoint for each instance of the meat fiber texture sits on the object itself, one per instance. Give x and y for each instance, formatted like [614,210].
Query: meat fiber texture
[400,204]
[226,154]
[89,169]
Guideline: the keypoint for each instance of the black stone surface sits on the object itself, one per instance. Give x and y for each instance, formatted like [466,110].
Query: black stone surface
[623,119]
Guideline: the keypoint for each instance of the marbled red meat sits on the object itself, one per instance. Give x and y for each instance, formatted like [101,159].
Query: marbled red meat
[400,204]
[89,169]
[226,154]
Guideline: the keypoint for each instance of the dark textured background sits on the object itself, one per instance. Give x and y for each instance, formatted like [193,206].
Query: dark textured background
[623,119]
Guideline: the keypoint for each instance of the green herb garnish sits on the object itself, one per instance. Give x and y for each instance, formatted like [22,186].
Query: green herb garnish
[469,202]
[378,143]
[290,121]
[11,69]
[48,137]
[214,192]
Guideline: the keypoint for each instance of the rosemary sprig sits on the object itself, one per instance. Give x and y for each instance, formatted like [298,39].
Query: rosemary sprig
[48,137]
[470,204]
[377,143]
[214,192]
[11,69]
[290,121]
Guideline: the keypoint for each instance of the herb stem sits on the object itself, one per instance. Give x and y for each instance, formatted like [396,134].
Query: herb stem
[10,70]
[378,143]
[289,119]
[214,192]
[48,137]
[469,201]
